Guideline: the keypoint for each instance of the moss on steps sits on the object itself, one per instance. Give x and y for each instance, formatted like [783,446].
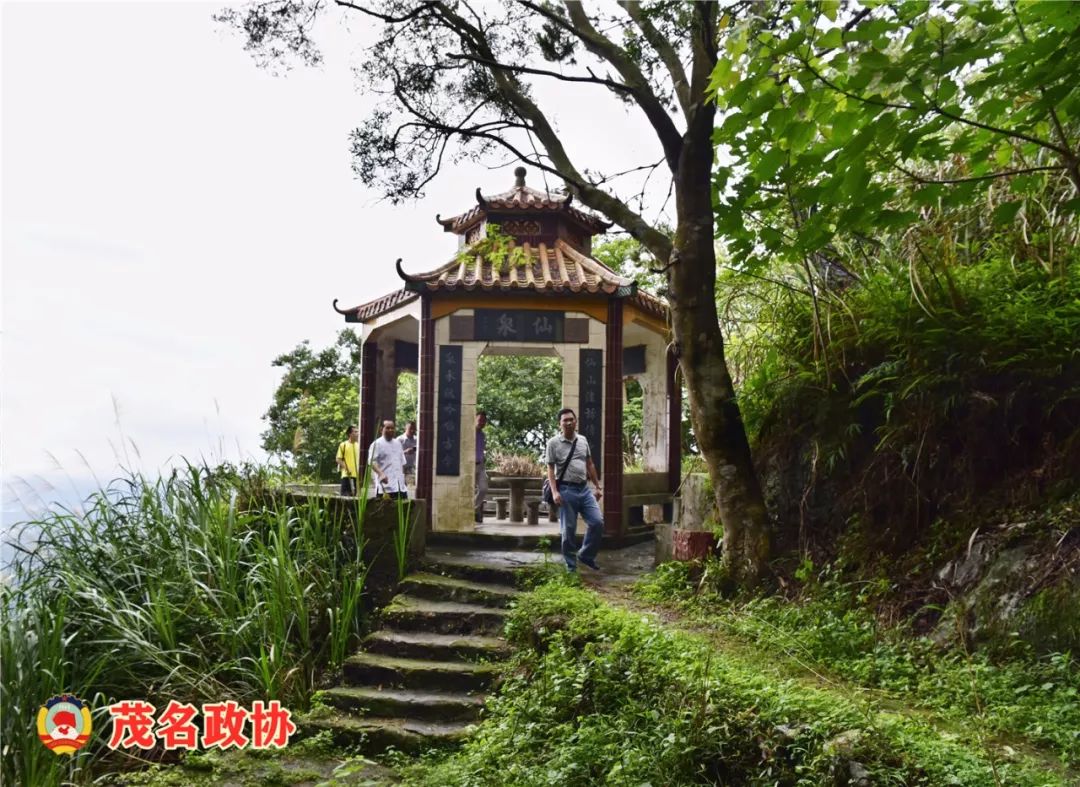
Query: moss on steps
[440,588]
[373,669]
[443,617]
[428,645]
[405,703]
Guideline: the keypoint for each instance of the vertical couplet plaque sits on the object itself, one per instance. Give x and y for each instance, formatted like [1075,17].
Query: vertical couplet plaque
[591,398]
[448,440]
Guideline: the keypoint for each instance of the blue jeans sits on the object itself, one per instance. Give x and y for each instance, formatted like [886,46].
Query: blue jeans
[579,499]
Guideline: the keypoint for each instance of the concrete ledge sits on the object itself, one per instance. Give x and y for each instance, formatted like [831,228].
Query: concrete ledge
[674,543]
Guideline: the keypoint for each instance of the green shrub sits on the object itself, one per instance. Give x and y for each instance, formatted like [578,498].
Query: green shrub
[598,695]
[832,628]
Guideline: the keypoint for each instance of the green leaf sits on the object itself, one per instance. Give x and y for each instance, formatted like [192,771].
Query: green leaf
[799,133]
[946,91]
[894,219]
[769,164]
[832,39]
[843,125]
[927,196]
[1006,212]
[762,103]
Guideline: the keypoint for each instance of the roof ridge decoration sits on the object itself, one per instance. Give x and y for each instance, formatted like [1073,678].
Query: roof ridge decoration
[525,199]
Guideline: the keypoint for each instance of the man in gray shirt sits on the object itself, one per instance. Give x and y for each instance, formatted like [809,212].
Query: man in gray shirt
[408,447]
[572,493]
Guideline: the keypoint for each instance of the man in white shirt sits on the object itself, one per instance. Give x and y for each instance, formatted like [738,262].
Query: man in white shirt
[387,460]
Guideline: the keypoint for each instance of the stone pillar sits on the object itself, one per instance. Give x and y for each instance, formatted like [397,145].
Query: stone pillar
[385,384]
[367,403]
[613,420]
[425,446]
[674,408]
[654,408]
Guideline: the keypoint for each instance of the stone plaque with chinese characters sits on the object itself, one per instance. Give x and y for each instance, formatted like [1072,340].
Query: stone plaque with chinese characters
[448,437]
[518,325]
[590,403]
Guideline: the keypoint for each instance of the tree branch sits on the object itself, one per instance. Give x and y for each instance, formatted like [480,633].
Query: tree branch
[642,92]
[975,178]
[477,49]
[665,49]
[595,80]
[392,20]
[615,209]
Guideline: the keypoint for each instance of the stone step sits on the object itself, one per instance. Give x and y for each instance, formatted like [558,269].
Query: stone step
[372,735]
[375,669]
[367,702]
[637,536]
[480,565]
[487,540]
[408,613]
[440,588]
[436,647]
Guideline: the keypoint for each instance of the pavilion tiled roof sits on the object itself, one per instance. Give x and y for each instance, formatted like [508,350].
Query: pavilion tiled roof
[554,269]
[377,307]
[557,267]
[521,198]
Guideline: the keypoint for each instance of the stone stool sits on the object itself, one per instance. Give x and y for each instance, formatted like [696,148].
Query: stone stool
[553,512]
[502,507]
[533,516]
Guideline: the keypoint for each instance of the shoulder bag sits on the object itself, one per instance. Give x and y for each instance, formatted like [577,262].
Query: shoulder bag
[548,494]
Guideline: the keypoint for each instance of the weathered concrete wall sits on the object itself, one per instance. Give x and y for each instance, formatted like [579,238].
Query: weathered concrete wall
[695,506]
[691,535]
[663,542]
[654,409]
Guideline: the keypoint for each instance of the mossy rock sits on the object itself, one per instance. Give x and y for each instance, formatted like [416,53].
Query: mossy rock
[1050,619]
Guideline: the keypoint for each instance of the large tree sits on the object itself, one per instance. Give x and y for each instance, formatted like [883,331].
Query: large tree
[461,78]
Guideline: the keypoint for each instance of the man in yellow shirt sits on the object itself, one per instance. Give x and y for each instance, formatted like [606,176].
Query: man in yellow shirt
[348,461]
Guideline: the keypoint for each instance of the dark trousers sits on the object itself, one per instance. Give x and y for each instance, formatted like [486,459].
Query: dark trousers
[348,487]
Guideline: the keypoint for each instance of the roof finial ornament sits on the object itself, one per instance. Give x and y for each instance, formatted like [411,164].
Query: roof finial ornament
[519,177]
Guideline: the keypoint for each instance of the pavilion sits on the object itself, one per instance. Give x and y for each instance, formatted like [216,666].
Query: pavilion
[554,299]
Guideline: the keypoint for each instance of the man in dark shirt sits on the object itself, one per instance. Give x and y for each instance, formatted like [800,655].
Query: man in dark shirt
[481,473]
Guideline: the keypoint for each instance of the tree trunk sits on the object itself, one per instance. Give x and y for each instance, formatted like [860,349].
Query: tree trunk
[700,346]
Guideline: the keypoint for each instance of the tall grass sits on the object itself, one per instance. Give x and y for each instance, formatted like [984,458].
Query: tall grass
[402,535]
[202,585]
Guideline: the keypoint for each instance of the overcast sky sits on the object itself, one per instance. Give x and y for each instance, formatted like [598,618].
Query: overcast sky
[174,217]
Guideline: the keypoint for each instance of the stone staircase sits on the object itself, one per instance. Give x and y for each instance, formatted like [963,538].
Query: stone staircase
[419,680]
